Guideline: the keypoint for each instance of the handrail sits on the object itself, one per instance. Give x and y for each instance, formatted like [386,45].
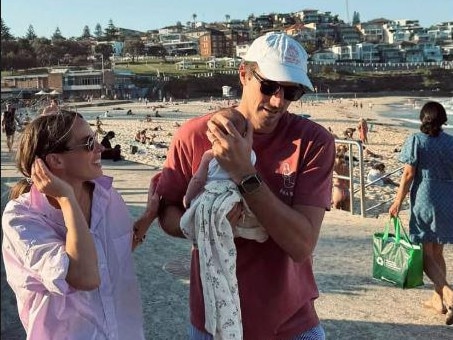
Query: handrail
[351,174]
[385,176]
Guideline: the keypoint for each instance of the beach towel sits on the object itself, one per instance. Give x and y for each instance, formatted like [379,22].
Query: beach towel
[206,224]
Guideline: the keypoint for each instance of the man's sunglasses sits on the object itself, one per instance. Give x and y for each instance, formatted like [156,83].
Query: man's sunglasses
[89,145]
[270,88]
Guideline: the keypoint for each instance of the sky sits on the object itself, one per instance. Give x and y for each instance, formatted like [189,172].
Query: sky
[71,16]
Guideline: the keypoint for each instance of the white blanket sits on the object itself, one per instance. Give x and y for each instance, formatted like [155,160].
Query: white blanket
[206,224]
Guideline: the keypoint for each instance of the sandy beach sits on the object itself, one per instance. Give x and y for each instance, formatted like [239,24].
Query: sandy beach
[351,304]
[385,135]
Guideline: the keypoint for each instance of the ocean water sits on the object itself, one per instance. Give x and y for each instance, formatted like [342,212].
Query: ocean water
[407,113]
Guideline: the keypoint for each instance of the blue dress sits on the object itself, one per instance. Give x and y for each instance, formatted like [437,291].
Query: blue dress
[431,193]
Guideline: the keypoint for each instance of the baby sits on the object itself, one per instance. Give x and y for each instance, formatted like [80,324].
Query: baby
[210,170]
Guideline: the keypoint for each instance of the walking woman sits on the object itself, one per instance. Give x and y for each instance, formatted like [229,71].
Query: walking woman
[68,237]
[9,122]
[428,175]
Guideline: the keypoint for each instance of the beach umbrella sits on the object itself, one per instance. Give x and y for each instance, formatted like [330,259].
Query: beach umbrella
[54,92]
[40,93]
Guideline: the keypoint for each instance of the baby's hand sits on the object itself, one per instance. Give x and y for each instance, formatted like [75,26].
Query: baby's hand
[235,215]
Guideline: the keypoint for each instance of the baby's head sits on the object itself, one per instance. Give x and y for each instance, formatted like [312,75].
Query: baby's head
[235,117]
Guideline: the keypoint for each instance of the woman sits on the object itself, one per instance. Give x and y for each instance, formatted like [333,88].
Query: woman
[428,175]
[9,122]
[377,174]
[362,127]
[110,152]
[68,237]
[340,186]
[141,137]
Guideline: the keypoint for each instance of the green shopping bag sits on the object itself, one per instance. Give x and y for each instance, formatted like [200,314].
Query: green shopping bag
[395,258]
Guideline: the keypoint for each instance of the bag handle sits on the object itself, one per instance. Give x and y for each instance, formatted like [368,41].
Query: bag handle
[398,226]
[404,236]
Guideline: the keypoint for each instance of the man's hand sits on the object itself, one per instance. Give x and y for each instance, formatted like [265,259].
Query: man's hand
[230,148]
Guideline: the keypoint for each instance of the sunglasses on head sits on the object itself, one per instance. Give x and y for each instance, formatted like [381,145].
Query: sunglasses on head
[89,145]
[270,88]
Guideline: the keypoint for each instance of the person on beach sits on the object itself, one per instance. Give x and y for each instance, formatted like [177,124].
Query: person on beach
[340,187]
[52,108]
[9,125]
[99,123]
[288,190]
[362,128]
[376,175]
[141,137]
[428,176]
[210,170]
[68,237]
[210,195]
[110,152]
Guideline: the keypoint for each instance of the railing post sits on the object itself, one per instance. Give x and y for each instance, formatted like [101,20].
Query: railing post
[351,173]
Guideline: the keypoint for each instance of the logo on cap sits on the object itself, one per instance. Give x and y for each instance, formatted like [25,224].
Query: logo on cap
[292,55]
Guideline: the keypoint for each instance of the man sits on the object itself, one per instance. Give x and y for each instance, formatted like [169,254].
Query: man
[288,189]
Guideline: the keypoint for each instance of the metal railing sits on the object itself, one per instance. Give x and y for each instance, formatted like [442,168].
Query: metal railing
[361,180]
[350,177]
[377,180]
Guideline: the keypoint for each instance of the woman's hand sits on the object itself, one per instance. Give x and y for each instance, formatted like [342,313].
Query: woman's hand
[394,209]
[142,225]
[47,183]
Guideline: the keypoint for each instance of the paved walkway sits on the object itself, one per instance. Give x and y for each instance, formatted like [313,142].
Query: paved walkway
[351,304]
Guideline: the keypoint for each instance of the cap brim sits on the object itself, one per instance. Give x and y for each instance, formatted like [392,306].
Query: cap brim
[276,72]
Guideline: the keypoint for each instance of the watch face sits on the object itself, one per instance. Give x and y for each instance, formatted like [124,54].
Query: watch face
[250,183]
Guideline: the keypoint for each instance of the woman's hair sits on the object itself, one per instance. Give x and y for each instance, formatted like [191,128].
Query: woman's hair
[432,116]
[379,166]
[42,136]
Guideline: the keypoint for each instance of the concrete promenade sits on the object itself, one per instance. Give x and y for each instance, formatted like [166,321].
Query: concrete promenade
[351,305]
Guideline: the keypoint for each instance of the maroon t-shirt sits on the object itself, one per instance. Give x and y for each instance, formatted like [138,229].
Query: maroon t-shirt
[296,162]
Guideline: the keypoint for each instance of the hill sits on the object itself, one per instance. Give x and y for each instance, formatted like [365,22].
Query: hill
[435,82]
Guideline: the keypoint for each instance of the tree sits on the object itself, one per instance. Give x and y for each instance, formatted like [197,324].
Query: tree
[57,35]
[44,51]
[30,35]
[98,31]
[86,32]
[309,46]
[5,32]
[105,49]
[157,50]
[134,47]
[355,18]
[110,31]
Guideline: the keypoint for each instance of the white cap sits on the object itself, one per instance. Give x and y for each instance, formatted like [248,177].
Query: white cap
[280,58]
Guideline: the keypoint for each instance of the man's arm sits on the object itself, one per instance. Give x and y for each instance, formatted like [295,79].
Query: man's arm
[169,218]
[295,229]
